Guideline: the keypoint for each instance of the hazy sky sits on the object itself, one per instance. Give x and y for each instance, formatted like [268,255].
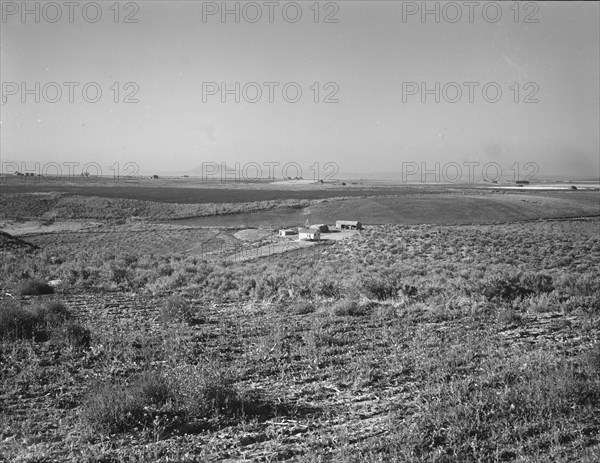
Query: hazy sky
[373,51]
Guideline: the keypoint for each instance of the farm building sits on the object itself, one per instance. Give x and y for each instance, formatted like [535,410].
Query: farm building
[348,225]
[309,234]
[286,232]
[323,228]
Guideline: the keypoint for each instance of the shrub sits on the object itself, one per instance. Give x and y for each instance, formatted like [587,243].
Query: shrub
[302,308]
[545,302]
[537,283]
[382,288]
[34,288]
[153,388]
[410,291]
[39,322]
[17,322]
[509,316]
[384,312]
[55,313]
[517,286]
[112,409]
[177,309]
[592,361]
[578,284]
[207,390]
[347,307]
[76,335]
[183,393]
[327,288]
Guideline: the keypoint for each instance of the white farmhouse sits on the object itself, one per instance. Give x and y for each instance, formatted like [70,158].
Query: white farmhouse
[309,234]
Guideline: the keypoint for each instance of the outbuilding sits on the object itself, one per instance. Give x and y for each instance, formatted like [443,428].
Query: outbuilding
[323,228]
[348,225]
[286,232]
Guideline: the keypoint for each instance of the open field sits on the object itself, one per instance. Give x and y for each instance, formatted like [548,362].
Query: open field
[198,192]
[463,329]
[440,208]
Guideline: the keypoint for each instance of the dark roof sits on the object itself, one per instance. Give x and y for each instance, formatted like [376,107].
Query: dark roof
[308,230]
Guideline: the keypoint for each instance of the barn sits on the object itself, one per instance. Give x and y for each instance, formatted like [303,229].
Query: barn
[348,225]
[309,234]
[323,228]
[286,232]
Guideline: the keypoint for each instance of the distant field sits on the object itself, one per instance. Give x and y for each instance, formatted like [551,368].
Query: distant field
[237,205]
[420,209]
[203,193]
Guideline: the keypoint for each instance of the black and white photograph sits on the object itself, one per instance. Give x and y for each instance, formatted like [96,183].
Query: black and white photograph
[352,231]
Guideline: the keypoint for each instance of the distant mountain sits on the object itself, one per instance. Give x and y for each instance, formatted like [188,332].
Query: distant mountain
[195,172]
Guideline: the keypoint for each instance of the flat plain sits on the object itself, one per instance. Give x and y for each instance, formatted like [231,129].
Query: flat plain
[461,324]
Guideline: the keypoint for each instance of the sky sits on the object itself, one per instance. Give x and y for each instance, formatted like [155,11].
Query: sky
[164,69]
